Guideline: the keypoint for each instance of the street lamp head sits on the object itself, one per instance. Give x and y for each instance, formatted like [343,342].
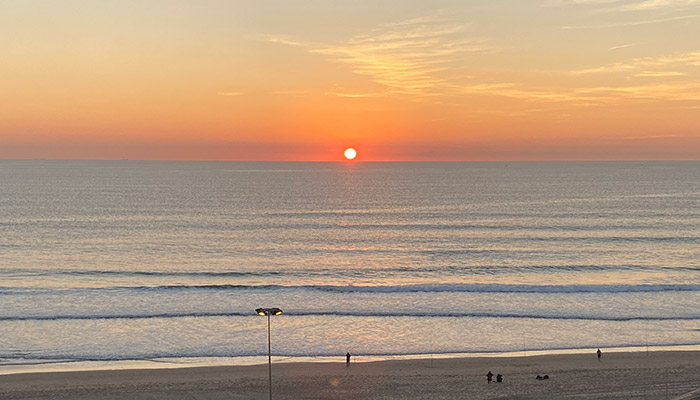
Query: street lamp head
[268,311]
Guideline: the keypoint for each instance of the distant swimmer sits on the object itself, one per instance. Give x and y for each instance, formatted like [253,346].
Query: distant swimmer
[489,377]
[599,353]
[347,358]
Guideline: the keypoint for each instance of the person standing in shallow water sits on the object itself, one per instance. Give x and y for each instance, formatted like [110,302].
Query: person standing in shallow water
[599,353]
[347,358]
[489,377]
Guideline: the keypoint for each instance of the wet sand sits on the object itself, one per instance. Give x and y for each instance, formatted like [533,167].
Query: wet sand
[632,375]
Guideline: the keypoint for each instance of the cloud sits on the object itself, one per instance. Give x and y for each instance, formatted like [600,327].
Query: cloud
[592,96]
[230,94]
[636,5]
[356,95]
[291,92]
[407,57]
[282,39]
[677,91]
[623,46]
[651,137]
[632,23]
[659,74]
[648,64]
[519,92]
[421,57]
[595,1]
[652,5]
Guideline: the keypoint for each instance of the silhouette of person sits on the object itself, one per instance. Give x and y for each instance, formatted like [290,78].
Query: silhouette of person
[489,377]
[499,378]
[347,358]
[599,353]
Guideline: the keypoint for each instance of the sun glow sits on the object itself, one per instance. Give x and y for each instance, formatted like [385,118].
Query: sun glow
[350,153]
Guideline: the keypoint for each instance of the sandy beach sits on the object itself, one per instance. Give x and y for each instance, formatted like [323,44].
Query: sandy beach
[632,375]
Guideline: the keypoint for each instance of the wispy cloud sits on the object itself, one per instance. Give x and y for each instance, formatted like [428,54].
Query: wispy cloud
[521,92]
[230,94]
[654,5]
[677,91]
[648,64]
[423,56]
[650,137]
[283,39]
[632,23]
[659,74]
[408,57]
[635,5]
[623,46]
[291,92]
[594,1]
[356,95]
[592,96]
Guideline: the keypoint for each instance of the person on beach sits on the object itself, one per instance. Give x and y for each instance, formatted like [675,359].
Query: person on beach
[599,353]
[347,358]
[499,378]
[489,377]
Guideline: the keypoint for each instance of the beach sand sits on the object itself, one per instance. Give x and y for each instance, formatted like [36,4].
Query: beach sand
[631,375]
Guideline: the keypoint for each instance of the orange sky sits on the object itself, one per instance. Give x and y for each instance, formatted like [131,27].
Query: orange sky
[399,80]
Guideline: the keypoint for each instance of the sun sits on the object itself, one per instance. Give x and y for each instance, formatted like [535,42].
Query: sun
[350,153]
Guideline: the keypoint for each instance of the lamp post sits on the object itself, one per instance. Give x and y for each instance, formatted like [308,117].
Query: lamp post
[268,312]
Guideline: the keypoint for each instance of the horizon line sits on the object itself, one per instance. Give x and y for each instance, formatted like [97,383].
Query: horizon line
[349,161]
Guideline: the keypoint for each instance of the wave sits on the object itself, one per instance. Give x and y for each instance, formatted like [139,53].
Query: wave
[326,313]
[212,356]
[130,273]
[443,288]
[472,269]
[370,289]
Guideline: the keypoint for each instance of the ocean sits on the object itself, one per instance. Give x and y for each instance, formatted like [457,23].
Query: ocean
[151,260]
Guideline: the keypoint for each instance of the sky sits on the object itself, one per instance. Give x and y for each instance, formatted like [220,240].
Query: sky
[409,80]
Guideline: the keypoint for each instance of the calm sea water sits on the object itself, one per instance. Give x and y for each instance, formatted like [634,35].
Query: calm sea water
[127,260]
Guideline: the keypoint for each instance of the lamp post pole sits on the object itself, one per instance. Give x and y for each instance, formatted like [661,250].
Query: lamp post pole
[269,312]
[269,355]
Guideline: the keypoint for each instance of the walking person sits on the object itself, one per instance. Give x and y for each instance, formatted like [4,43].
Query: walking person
[347,358]
[489,377]
[599,353]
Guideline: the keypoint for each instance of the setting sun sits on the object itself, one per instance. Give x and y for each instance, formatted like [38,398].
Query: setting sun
[350,153]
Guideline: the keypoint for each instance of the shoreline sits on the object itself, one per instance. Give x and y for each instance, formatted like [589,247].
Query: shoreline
[57,366]
[618,375]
